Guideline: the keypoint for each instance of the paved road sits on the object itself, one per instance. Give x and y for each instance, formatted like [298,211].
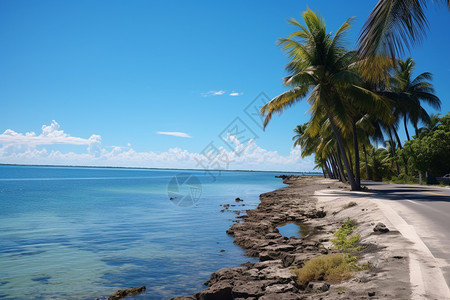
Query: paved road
[425,208]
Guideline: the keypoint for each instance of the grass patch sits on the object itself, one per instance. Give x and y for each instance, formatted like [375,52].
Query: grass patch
[334,267]
[345,241]
[331,267]
[350,204]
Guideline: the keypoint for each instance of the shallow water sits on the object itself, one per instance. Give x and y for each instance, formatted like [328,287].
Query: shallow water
[290,230]
[81,233]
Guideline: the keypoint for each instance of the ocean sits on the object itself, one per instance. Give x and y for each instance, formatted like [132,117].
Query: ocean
[82,233]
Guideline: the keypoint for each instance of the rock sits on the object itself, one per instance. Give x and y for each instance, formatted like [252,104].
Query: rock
[265,256]
[371,294]
[252,273]
[283,296]
[280,288]
[226,274]
[278,274]
[381,228]
[280,248]
[238,199]
[120,294]
[222,250]
[325,287]
[220,290]
[248,289]
[287,259]
[271,236]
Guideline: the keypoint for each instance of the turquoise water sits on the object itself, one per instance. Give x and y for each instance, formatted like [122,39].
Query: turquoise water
[81,233]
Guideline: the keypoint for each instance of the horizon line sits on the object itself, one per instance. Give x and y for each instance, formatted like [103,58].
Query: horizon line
[153,168]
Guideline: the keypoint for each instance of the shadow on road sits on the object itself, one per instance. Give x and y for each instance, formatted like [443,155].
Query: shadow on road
[402,192]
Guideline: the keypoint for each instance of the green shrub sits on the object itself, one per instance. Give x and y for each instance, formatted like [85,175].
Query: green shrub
[403,178]
[343,240]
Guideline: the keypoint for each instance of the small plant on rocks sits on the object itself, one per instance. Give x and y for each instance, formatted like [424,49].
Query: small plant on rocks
[345,241]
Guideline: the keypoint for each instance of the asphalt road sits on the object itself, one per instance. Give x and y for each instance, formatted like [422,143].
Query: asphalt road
[425,208]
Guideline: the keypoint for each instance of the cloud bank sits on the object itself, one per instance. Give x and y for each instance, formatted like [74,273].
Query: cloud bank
[30,148]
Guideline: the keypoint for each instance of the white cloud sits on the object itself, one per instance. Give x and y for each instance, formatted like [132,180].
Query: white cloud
[248,156]
[174,133]
[213,93]
[234,94]
[23,146]
[50,135]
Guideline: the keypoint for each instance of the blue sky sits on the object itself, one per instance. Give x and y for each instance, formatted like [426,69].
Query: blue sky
[104,82]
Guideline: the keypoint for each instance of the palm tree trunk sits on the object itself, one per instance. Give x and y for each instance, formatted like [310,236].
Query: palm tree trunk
[333,167]
[393,150]
[365,158]
[397,138]
[351,178]
[350,160]
[337,161]
[406,128]
[330,166]
[405,161]
[326,172]
[330,170]
[357,169]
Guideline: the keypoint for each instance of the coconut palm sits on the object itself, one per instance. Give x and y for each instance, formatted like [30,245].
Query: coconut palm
[435,120]
[320,67]
[409,93]
[393,25]
[299,134]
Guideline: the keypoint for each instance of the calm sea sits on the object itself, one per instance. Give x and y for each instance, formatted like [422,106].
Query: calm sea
[81,233]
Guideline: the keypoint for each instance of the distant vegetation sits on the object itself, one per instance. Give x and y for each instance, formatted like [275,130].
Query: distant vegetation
[360,99]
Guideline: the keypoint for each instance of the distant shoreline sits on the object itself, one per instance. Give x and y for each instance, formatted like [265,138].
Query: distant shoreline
[148,168]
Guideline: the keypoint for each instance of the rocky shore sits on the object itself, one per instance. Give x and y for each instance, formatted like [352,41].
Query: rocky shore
[272,277]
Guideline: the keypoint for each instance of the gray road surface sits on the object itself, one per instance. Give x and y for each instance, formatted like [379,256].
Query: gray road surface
[425,208]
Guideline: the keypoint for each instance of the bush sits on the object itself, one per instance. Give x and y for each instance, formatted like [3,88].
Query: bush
[343,240]
[331,267]
[403,178]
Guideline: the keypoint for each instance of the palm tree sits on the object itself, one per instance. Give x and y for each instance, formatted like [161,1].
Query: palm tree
[409,93]
[299,136]
[393,25]
[321,67]
[435,120]
[379,163]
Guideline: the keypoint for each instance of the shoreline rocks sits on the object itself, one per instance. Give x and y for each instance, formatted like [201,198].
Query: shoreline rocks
[257,234]
[120,294]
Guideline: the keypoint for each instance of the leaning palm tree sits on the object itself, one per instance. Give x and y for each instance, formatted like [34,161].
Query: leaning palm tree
[393,25]
[320,67]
